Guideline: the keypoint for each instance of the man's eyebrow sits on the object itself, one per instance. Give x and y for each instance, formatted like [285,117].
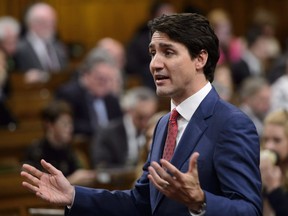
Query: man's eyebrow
[162,45]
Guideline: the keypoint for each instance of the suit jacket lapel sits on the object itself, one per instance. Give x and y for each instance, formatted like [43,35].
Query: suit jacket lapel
[194,130]
[156,154]
[189,140]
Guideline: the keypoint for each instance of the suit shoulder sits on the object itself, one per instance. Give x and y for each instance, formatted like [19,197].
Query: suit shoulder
[226,110]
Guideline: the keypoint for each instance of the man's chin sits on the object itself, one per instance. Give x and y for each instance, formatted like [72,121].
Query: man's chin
[162,93]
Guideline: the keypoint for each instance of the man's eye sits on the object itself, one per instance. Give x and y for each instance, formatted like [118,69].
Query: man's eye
[152,54]
[168,53]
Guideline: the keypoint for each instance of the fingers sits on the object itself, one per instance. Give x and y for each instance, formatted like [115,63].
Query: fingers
[168,173]
[193,166]
[158,176]
[172,170]
[30,187]
[32,170]
[47,166]
[34,180]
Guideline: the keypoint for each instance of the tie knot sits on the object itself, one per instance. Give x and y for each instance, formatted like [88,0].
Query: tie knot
[174,115]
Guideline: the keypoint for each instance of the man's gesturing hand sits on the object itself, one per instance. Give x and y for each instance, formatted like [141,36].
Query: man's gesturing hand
[183,187]
[52,186]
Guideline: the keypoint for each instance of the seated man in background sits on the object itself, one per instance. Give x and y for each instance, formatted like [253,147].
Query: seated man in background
[122,141]
[6,116]
[255,97]
[9,36]
[56,145]
[40,51]
[90,94]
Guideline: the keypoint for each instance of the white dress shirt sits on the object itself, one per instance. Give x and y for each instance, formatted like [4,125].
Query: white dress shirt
[135,141]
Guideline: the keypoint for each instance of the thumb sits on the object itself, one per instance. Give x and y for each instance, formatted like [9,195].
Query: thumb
[193,163]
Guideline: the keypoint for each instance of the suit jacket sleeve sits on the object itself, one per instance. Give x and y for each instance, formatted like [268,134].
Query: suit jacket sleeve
[99,202]
[236,161]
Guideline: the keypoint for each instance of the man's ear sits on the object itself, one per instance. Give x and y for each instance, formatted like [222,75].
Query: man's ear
[201,59]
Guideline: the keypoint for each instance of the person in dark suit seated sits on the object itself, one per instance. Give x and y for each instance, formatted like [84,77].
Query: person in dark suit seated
[56,145]
[40,51]
[253,59]
[9,38]
[89,94]
[204,157]
[122,141]
[7,119]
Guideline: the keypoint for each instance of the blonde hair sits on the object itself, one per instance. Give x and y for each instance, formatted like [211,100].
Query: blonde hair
[218,16]
[278,117]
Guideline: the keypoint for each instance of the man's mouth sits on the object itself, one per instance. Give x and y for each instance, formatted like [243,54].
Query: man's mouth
[161,77]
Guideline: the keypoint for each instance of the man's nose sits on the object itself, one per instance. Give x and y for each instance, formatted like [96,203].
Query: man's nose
[156,62]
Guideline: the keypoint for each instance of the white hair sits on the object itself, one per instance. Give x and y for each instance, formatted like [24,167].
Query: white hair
[131,98]
[7,22]
[32,12]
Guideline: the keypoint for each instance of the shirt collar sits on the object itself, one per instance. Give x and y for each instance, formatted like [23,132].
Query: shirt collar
[187,108]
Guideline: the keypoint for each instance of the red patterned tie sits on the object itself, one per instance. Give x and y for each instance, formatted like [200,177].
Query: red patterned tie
[171,135]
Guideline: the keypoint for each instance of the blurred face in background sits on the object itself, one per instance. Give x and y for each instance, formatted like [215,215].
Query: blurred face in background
[141,114]
[101,79]
[41,20]
[61,130]
[260,101]
[9,43]
[275,139]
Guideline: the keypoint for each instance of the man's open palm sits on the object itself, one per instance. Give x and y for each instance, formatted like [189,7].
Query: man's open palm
[52,186]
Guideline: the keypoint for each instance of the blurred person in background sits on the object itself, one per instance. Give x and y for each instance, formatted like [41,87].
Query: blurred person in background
[252,62]
[223,82]
[90,94]
[122,141]
[40,51]
[149,131]
[231,47]
[279,98]
[9,38]
[138,57]
[266,20]
[116,51]
[255,100]
[56,145]
[274,163]
[9,35]
[6,117]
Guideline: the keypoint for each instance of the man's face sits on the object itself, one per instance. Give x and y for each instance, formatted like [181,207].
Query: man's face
[44,22]
[142,113]
[260,102]
[173,70]
[9,43]
[99,81]
[62,129]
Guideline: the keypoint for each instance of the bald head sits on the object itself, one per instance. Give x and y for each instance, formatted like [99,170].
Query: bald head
[115,49]
[41,20]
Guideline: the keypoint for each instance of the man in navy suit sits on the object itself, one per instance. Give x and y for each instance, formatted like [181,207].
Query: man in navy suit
[215,167]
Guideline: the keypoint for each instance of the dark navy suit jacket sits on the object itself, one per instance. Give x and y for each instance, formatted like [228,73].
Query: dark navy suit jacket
[228,169]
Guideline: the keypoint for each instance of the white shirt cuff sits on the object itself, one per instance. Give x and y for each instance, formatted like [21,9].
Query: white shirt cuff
[70,206]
